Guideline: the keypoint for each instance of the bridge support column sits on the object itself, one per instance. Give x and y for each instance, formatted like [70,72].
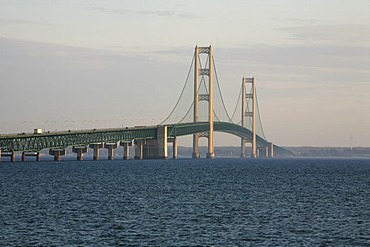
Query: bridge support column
[8,154]
[57,153]
[195,155]
[12,156]
[80,152]
[96,147]
[271,150]
[174,148]
[139,149]
[242,149]
[262,152]
[210,155]
[162,151]
[157,148]
[35,154]
[126,149]
[150,149]
[110,147]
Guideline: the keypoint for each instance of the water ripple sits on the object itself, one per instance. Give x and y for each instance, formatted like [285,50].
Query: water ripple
[221,202]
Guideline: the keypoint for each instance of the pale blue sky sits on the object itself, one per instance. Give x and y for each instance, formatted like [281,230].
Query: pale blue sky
[85,61]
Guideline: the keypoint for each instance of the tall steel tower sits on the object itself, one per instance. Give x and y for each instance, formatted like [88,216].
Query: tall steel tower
[198,71]
[248,98]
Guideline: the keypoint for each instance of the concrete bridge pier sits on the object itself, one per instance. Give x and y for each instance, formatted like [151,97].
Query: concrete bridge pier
[110,147]
[139,146]
[262,152]
[57,153]
[256,154]
[271,150]
[157,148]
[12,156]
[8,154]
[174,148]
[195,155]
[96,147]
[150,149]
[242,150]
[80,152]
[211,155]
[35,154]
[153,148]
[126,149]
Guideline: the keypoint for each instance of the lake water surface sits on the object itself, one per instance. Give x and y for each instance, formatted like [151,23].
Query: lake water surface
[220,202]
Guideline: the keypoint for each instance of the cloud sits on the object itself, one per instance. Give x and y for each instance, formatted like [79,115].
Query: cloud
[345,34]
[9,21]
[162,13]
[318,56]
[155,12]
[90,83]
[298,87]
[22,22]
[303,71]
[113,11]
[298,21]
[294,72]
[305,56]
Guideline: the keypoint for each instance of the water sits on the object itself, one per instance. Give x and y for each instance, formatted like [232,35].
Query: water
[221,202]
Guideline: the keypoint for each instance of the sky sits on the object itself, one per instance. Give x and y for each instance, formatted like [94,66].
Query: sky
[83,64]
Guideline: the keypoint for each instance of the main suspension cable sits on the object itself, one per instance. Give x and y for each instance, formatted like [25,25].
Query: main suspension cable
[259,117]
[219,89]
[182,92]
[237,102]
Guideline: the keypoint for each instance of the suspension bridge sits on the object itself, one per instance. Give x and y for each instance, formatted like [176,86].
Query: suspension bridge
[199,111]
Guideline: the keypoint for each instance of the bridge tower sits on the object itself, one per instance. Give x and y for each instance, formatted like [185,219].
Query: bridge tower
[198,72]
[251,113]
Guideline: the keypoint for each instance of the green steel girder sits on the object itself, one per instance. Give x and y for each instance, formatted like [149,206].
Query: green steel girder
[231,128]
[227,127]
[37,142]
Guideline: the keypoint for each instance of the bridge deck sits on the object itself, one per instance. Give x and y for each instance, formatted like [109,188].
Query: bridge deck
[64,139]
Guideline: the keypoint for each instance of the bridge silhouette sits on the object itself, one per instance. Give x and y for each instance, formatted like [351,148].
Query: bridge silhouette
[205,113]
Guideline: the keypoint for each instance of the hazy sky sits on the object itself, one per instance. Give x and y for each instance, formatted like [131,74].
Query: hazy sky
[99,63]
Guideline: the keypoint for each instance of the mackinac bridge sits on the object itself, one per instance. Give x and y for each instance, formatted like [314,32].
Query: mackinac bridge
[199,112]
